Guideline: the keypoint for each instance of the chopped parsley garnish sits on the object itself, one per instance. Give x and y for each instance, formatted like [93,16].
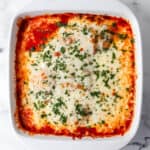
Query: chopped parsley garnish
[36,106]
[122,36]
[83,77]
[104,73]
[107,75]
[42,46]
[81,56]
[85,64]
[31,92]
[132,40]
[45,81]
[61,24]
[67,93]
[41,94]
[112,76]
[63,118]
[95,94]
[73,73]
[25,82]
[105,34]
[113,57]
[117,96]
[60,65]
[74,25]
[39,105]
[53,86]
[82,111]
[58,105]
[62,49]
[114,45]
[56,109]
[51,46]
[128,89]
[66,34]
[34,64]
[47,56]
[74,49]
[102,122]
[97,73]
[85,30]
[43,115]
[106,82]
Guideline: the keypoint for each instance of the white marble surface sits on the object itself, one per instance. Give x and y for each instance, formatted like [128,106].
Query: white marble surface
[141,141]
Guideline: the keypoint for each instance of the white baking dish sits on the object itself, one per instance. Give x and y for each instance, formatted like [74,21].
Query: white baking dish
[108,7]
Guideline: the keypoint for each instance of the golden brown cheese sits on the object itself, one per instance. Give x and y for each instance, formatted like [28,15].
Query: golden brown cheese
[75,75]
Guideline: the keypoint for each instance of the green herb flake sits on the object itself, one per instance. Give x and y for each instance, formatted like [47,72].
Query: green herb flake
[25,82]
[34,64]
[35,106]
[62,49]
[56,110]
[30,54]
[132,40]
[114,24]
[123,50]
[117,96]
[102,122]
[127,89]
[31,92]
[66,34]
[112,76]
[115,46]
[80,56]
[57,105]
[47,56]
[113,55]
[104,73]
[42,46]
[43,115]
[106,82]
[82,111]
[95,94]
[53,86]
[85,30]
[122,36]
[63,118]
[67,93]
[61,24]
[74,25]
[97,73]
[60,65]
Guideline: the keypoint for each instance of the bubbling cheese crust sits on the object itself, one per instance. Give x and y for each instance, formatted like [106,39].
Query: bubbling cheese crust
[75,75]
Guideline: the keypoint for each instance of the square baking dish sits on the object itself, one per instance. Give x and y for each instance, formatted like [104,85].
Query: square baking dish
[106,7]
